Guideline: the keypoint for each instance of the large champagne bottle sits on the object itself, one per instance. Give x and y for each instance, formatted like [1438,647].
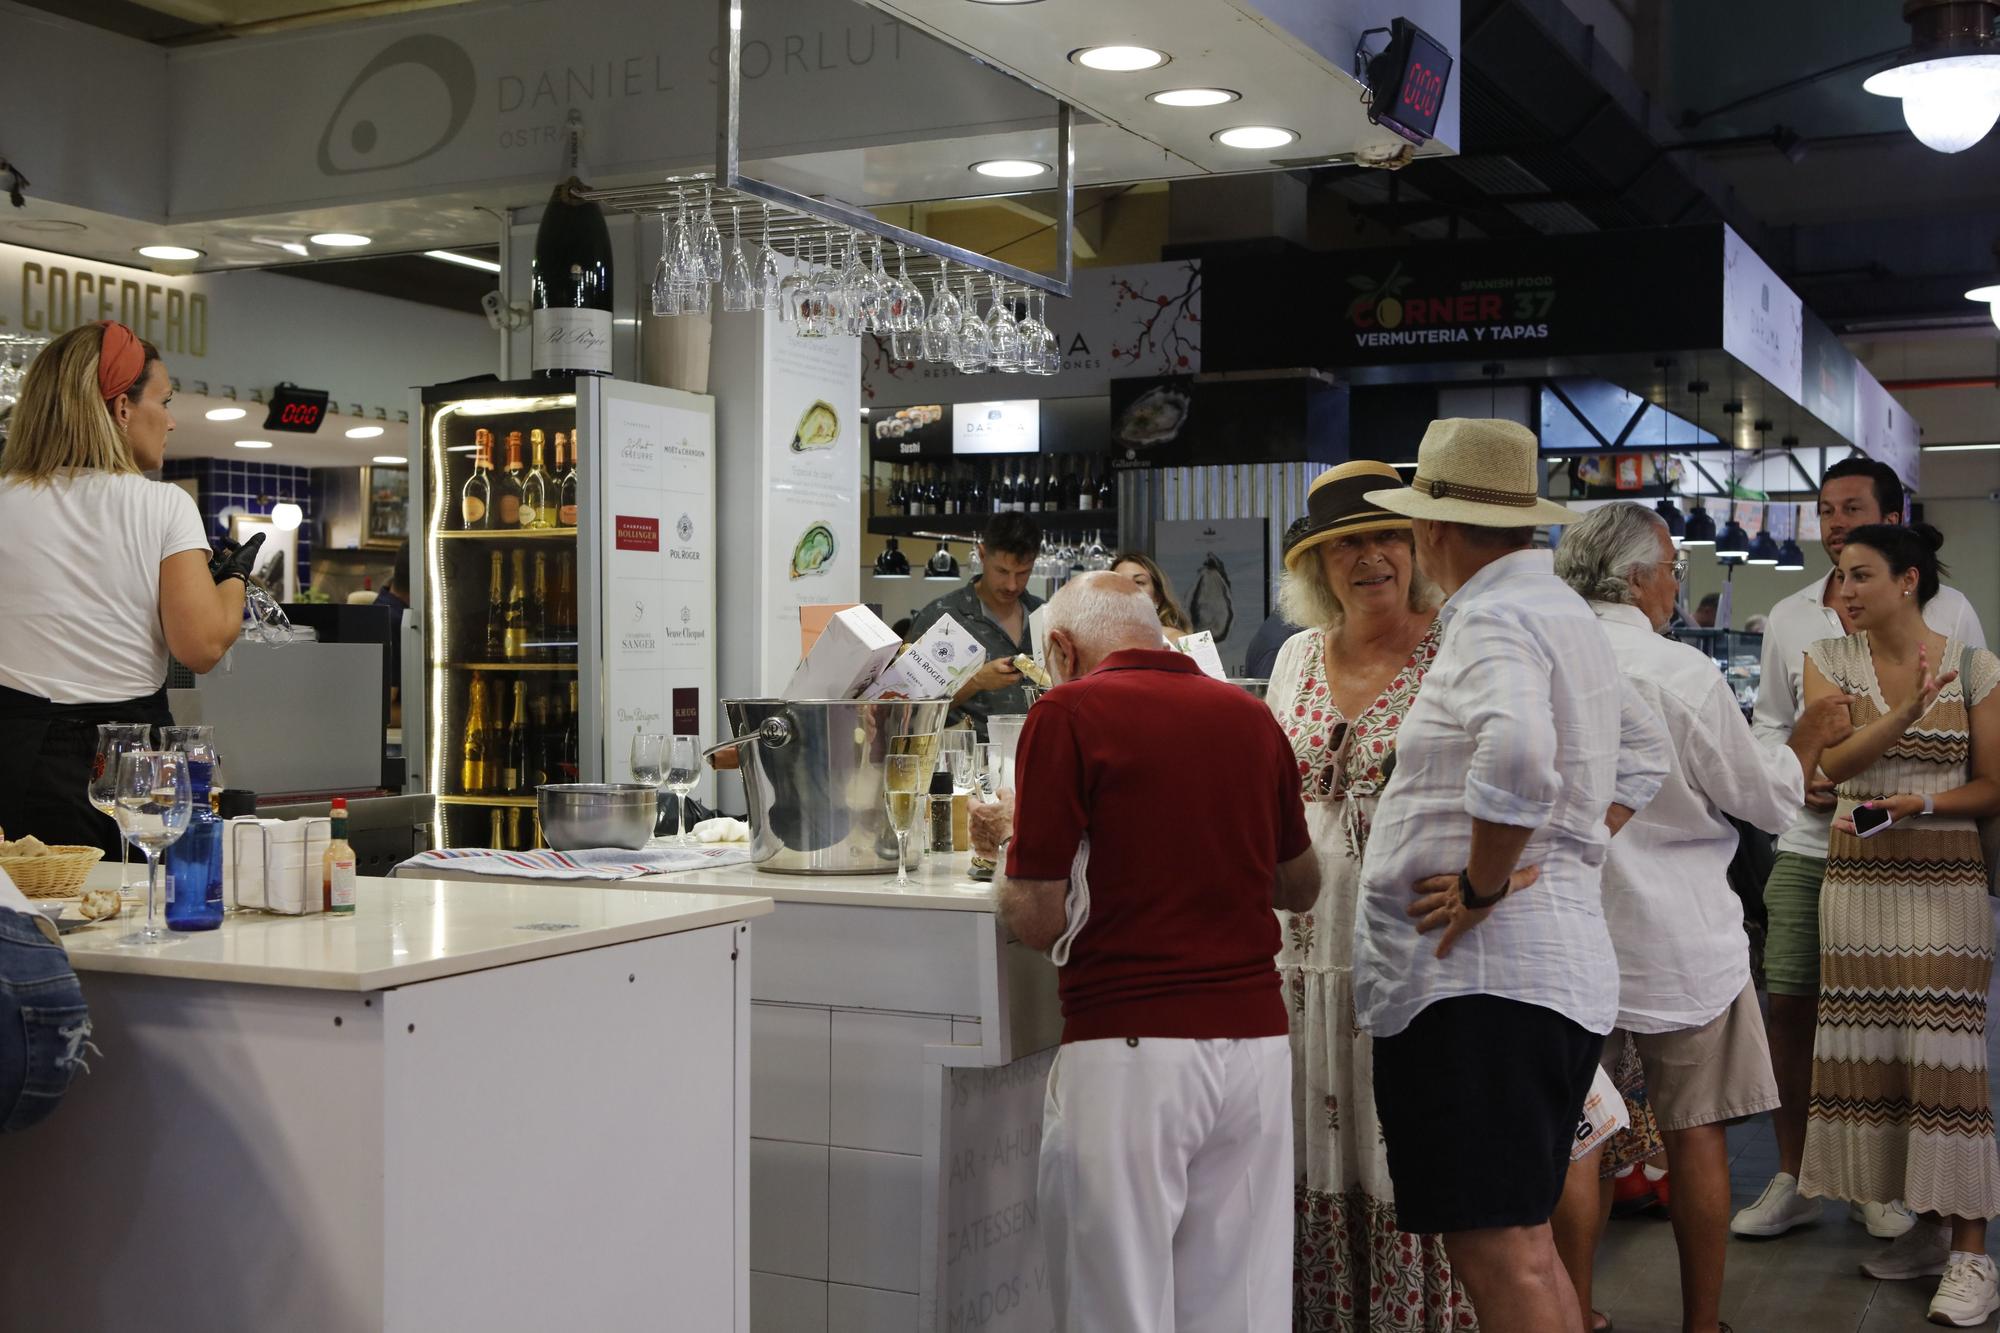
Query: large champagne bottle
[514,640]
[572,296]
[472,773]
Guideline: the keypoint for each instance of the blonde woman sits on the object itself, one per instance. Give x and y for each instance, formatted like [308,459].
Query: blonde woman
[1143,570]
[1340,690]
[109,572]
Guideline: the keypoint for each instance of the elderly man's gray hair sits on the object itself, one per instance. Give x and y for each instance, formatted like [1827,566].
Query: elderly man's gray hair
[1600,553]
[1104,612]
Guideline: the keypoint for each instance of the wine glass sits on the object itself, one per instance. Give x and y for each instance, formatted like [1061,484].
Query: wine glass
[663,272]
[768,278]
[905,777]
[155,799]
[708,240]
[1048,351]
[739,288]
[113,740]
[974,351]
[1001,330]
[788,287]
[957,746]
[649,759]
[683,772]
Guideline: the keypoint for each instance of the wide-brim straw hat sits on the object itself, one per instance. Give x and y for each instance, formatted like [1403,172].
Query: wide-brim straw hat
[1475,471]
[1338,505]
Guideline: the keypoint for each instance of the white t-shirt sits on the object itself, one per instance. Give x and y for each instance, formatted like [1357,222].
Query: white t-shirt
[80,599]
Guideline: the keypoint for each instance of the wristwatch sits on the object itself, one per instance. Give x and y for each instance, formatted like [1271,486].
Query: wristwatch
[1472,901]
[1929,808]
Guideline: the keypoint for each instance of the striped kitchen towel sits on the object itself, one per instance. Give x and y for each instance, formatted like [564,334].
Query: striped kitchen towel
[598,863]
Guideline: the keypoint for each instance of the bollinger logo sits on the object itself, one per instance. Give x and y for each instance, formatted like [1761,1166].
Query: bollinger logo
[408,102]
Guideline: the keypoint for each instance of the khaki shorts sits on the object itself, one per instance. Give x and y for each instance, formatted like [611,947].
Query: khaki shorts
[1791,933]
[1705,1075]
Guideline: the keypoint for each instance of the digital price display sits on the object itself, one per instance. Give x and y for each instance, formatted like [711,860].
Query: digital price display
[1407,82]
[296,409]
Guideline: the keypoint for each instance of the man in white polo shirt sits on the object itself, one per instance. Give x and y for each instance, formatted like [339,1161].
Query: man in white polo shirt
[1854,492]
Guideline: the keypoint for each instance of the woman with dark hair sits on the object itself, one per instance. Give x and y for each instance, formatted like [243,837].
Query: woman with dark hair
[1900,1107]
[107,573]
[1143,570]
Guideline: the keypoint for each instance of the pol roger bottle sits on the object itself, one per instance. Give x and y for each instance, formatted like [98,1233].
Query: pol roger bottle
[194,861]
[572,293]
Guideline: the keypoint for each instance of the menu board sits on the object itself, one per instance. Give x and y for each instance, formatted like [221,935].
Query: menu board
[655,503]
[811,529]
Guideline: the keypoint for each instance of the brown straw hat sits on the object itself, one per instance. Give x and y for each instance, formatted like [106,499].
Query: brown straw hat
[1338,505]
[1476,471]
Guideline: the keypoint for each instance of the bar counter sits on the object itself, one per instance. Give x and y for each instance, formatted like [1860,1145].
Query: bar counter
[518,1106]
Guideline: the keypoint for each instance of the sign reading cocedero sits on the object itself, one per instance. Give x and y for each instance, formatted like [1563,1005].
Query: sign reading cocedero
[56,298]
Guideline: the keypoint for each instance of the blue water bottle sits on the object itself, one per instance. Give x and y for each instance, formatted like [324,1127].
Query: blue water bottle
[194,861]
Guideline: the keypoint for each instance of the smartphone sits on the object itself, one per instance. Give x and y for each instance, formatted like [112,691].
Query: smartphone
[1870,820]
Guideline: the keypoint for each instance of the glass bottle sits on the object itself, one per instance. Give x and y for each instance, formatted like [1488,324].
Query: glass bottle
[514,639]
[194,861]
[507,487]
[337,866]
[475,501]
[496,611]
[475,759]
[538,498]
[566,504]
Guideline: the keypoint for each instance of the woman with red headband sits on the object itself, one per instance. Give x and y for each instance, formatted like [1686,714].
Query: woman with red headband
[107,572]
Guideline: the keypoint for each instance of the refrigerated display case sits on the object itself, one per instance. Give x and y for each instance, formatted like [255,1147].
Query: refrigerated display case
[547,646]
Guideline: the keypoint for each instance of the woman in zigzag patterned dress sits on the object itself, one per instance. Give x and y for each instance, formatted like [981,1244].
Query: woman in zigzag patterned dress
[1900,1108]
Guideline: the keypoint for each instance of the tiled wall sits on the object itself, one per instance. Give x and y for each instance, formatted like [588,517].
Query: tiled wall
[229,486]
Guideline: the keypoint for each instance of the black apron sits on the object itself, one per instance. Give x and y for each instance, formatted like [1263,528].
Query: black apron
[46,750]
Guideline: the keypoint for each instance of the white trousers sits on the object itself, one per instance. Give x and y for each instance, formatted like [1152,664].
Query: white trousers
[1166,1185]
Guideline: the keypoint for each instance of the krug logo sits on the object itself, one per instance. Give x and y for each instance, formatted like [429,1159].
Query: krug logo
[408,102]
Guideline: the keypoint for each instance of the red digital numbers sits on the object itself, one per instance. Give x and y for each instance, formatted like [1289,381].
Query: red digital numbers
[300,414]
[1423,88]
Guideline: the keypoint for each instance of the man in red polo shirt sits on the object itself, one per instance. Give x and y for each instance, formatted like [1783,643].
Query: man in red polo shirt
[1157,824]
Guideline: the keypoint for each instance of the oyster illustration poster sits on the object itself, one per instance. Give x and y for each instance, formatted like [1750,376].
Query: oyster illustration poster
[812,432]
[1217,568]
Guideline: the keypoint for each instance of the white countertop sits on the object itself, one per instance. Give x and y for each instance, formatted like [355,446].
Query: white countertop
[407,930]
[942,882]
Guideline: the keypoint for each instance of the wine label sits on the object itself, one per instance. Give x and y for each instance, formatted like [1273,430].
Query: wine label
[566,516]
[474,510]
[510,511]
[571,339]
[341,884]
[528,513]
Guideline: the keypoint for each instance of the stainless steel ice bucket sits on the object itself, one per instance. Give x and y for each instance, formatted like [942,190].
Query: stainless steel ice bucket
[813,773]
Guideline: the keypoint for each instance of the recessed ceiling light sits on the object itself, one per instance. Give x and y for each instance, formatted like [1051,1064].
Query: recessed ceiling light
[339,240]
[226,413]
[391,458]
[169,252]
[469,261]
[1255,136]
[363,432]
[253,444]
[1193,96]
[1120,59]
[1010,168]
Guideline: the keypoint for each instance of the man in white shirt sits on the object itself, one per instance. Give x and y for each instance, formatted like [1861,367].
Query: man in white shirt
[1487,1033]
[1855,492]
[1685,999]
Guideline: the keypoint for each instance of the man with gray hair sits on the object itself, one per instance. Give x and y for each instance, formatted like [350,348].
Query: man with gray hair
[1685,1000]
[1166,1161]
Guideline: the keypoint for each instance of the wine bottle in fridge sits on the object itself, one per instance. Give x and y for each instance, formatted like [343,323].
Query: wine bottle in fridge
[514,639]
[566,484]
[475,501]
[496,611]
[472,773]
[572,285]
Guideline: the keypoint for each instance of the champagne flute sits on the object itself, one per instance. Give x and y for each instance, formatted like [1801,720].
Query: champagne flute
[683,772]
[155,799]
[739,291]
[906,777]
[115,739]
[768,279]
[663,272]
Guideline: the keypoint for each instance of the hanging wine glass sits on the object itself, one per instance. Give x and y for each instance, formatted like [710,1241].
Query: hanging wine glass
[687,257]
[768,278]
[739,289]
[1048,350]
[789,286]
[912,318]
[708,240]
[974,351]
[1002,330]
[941,329]
[663,279]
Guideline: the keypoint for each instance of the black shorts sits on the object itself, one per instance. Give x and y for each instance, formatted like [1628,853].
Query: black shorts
[1479,1100]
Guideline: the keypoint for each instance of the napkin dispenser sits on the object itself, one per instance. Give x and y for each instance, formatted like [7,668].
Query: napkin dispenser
[273,865]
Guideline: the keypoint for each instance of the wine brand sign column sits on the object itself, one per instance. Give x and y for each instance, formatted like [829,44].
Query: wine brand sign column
[656,529]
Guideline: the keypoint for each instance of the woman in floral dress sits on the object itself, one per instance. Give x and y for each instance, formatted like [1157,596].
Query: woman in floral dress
[1340,689]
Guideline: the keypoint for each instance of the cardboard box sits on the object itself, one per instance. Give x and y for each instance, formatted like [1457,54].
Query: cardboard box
[813,621]
[849,653]
[936,665]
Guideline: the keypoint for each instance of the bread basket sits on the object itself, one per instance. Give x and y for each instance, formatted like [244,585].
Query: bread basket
[53,872]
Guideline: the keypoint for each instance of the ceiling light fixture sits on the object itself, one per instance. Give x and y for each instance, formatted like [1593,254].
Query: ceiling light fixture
[339,240]
[1960,448]
[286,516]
[1790,556]
[363,432]
[253,444]
[1255,136]
[1010,168]
[1193,96]
[1990,297]
[391,459]
[1764,550]
[176,252]
[1950,84]
[466,261]
[1119,59]
[227,413]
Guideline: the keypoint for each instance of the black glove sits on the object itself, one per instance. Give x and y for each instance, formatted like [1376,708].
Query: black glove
[234,561]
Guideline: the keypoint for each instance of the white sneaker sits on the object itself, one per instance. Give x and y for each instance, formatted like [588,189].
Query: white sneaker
[1970,1292]
[1777,1210]
[1885,1221]
[1922,1251]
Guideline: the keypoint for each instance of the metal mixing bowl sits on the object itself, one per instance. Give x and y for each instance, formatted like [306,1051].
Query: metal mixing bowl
[577,816]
